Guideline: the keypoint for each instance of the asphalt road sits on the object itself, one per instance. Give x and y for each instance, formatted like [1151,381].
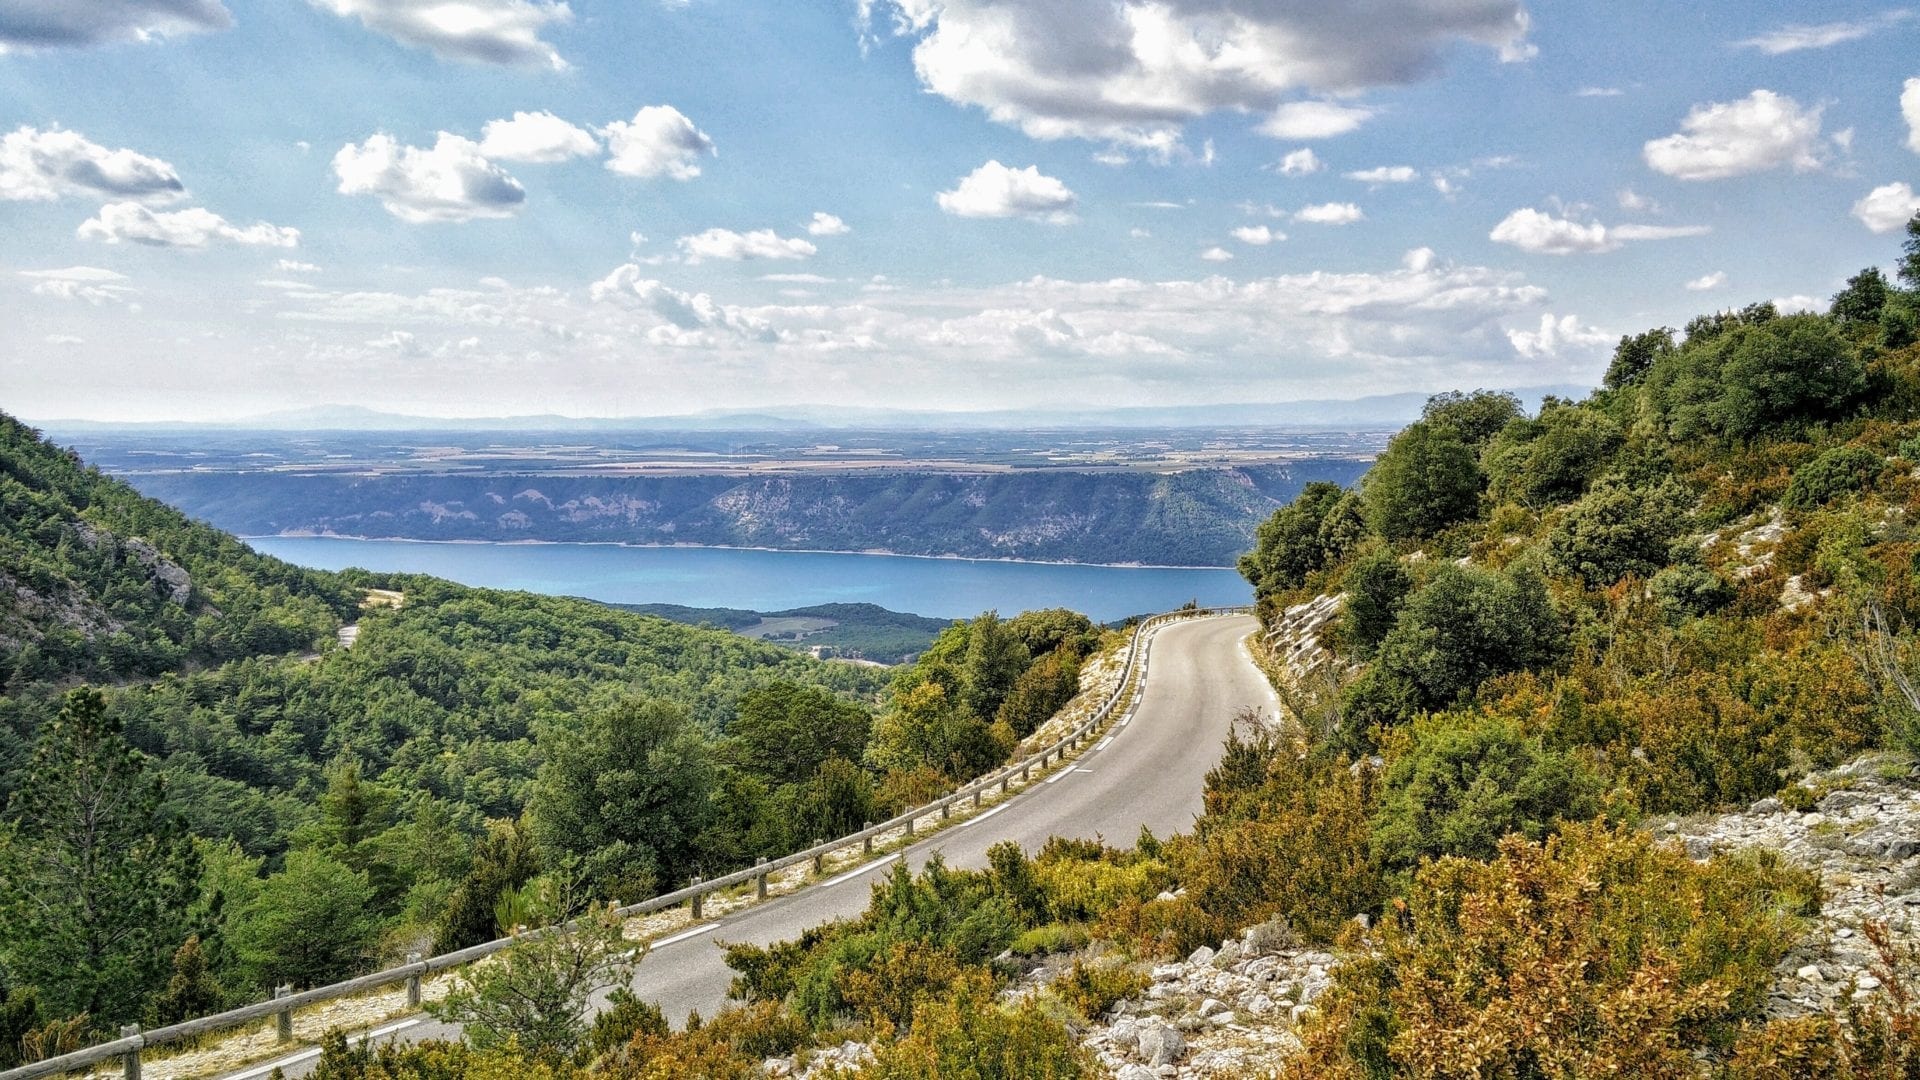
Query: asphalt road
[1148,773]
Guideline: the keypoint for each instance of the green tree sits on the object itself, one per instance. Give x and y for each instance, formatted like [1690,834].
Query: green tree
[1636,355]
[1792,368]
[503,860]
[1616,530]
[95,876]
[1045,629]
[1468,781]
[1475,417]
[1865,296]
[1910,261]
[1375,586]
[1289,546]
[1552,459]
[191,990]
[1840,471]
[352,809]
[925,728]
[782,732]
[837,800]
[1427,480]
[312,923]
[1040,691]
[629,786]
[994,659]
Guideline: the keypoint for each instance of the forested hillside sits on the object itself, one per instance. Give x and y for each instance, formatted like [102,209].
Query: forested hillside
[251,796]
[1678,596]
[1199,517]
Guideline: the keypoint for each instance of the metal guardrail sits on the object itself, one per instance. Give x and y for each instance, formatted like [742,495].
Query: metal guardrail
[132,1040]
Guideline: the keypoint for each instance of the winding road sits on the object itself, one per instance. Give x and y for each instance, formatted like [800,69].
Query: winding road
[1146,773]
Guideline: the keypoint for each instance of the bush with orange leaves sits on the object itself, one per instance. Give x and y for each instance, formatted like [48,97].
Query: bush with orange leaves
[1596,953]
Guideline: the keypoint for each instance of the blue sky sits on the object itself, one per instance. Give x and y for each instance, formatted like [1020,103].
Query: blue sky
[210,208]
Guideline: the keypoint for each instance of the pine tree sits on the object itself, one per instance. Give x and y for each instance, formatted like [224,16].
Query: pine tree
[96,877]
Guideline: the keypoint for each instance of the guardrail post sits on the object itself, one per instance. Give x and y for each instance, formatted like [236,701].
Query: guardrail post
[909,825]
[868,843]
[820,860]
[946,811]
[413,983]
[131,1059]
[760,883]
[1003,783]
[283,1020]
[698,899]
[976,798]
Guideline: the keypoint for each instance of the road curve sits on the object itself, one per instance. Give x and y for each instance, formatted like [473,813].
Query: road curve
[1147,773]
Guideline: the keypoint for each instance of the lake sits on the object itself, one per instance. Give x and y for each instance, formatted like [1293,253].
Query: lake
[777,580]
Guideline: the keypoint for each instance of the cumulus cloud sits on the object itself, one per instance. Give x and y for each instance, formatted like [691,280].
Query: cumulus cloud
[51,24]
[1257,235]
[1133,72]
[1797,36]
[1887,207]
[1314,120]
[1542,233]
[453,181]
[536,137]
[45,165]
[1555,335]
[130,222]
[658,141]
[87,284]
[1761,131]
[1798,303]
[1910,109]
[1301,162]
[737,247]
[995,191]
[825,224]
[1708,282]
[1386,174]
[505,32]
[687,319]
[1217,255]
[294,266]
[1333,213]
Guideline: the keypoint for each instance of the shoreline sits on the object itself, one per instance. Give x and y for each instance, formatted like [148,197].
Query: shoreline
[874,552]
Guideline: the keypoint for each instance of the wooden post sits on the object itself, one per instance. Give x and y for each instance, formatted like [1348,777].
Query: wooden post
[413,983]
[283,1020]
[760,883]
[976,798]
[697,900]
[1026,772]
[820,860]
[909,826]
[1003,785]
[131,1059]
[868,843]
[946,811]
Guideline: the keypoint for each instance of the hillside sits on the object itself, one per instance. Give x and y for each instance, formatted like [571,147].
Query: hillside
[1197,517]
[856,631]
[289,775]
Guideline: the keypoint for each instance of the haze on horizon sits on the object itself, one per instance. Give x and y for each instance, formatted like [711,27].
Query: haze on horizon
[217,208]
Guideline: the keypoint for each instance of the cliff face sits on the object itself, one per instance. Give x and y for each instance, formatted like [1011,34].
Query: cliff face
[1201,517]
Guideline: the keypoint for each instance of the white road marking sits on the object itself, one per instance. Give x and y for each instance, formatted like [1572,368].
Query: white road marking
[1059,776]
[857,871]
[982,817]
[307,1055]
[684,935]
[1102,745]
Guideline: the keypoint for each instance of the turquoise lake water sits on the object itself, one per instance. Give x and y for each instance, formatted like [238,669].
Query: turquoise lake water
[776,580]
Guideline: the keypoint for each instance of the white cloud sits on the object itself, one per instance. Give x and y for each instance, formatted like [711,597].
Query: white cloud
[1133,72]
[87,284]
[1798,303]
[1138,233]
[1217,255]
[45,165]
[1598,91]
[659,141]
[799,279]
[1386,174]
[1555,335]
[481,31]
[536,137]
[1541,233]
[1314,120]
[64,339]
[1637,203]
[1301,162]
[451,182]
[1910,109]
[294,266]
[735,247]
[1333,213]
[1707,282]
[1761,131]
[825,224]
[1257,235]
[130,222]
[49,24]
[1418,260]
[1797,36]
[686,319]
[1887,207]
[995,191]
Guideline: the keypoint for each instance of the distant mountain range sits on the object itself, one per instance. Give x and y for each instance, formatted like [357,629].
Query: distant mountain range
[1385,411]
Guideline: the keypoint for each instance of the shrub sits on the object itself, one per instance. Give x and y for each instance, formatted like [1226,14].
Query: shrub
[1686,591]
[1092,989]
[1375,585]
[1841,471]
[1614,531]
[1427,480]
[967,1035]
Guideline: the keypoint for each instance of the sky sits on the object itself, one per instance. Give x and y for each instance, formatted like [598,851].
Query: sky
[216,208]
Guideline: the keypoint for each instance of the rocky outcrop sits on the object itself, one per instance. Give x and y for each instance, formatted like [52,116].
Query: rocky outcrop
[1293,640]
